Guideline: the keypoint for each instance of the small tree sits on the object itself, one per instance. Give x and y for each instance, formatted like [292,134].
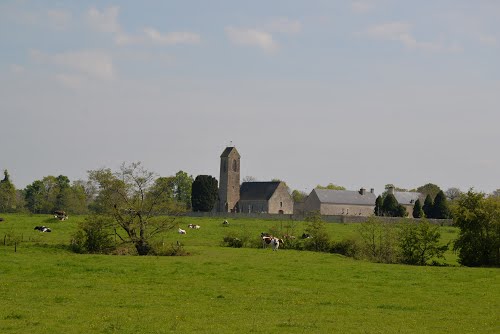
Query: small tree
[417,210]
[378,206]
[427,208]
[440,208]
[378,241]
[95,235]
[319,240]
[204,193]
[419,243]
[392,208]
[8,197]
[478,218]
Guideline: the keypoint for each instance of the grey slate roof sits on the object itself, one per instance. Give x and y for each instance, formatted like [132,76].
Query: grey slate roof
[407,198]
[345,197]
[227,151]
[257,190]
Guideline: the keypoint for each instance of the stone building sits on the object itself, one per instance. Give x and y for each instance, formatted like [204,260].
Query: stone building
[340,202]
[252,197]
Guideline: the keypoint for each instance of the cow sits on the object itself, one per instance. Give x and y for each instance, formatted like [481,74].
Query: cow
[194,226]
[1,219]
[181,231]
[61,215]
[225,223]
[305,236]
[270,240]
[43,229]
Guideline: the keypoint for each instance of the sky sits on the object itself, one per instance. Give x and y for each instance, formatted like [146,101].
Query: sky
[359,93]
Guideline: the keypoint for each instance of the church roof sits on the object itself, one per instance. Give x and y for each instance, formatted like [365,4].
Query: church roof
[228,151]
[258,190]
[345,197]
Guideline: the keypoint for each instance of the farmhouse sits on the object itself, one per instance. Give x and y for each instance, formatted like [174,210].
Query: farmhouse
[407,199]
[340,202]
[251,197]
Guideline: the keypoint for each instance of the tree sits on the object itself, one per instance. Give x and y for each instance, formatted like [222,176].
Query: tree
[495,193]
[419,242]
[392,208]
[453,193]
[417,210]
[440,208]
[330,186]
[204,193]
[429,189]
[8,197]
[298,196]
[478,218]
[34,197]
[378,240]
[427,207]
[182,188]
[319,240]
[130,197]
[378,206]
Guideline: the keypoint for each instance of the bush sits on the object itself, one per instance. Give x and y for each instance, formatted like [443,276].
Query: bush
[94,235]
[319,240]
[346,247]
[419,243]
[230,241]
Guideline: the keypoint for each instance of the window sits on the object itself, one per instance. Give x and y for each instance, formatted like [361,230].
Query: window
[281,204]
[235,165]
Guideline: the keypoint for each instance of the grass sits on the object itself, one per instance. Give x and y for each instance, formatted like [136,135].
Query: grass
[44,288]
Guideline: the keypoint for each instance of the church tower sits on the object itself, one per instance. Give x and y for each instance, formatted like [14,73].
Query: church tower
[229,181]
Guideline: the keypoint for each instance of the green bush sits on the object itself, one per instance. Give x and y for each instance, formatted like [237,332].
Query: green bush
[230,241]
[94,235]
[347,247]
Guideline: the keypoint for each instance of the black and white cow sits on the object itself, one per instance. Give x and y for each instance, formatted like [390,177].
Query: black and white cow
[43,229]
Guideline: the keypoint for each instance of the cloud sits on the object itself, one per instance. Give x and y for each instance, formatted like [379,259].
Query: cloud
[105,20]
[171,37]
[401,32]
[58,18]
[284,25]
[94,64]
[362,6]
[70,80]
[15,68]
[488,40]
[251,37]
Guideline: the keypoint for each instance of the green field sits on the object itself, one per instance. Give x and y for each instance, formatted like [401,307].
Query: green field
[44,288]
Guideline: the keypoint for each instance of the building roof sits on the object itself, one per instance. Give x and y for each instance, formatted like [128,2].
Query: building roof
[407,197]
[228,151]
[345,197]
[251,191]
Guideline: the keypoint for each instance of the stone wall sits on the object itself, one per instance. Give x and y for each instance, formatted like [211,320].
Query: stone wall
[328,219]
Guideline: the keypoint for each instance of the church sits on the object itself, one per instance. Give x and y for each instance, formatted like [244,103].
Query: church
[249,197]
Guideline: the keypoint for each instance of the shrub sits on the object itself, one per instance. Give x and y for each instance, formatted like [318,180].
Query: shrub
[94,235]
[347,247]
[419,243]
[230,241]
[319,240]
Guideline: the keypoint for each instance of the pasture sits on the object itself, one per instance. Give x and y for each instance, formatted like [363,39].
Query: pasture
[44,288]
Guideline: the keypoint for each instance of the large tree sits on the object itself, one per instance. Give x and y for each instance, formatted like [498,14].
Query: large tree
[440,208]
[131,197]
[8,198]
[419,243]
[298,196]
[429,189]
[204,193]
[453,193]
[378,206]
[478,218]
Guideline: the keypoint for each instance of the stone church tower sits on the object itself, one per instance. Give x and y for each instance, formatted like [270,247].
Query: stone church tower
[229,181]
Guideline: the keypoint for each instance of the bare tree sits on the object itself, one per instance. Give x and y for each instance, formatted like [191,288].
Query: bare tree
[453,193]
[249,178]
[131,196]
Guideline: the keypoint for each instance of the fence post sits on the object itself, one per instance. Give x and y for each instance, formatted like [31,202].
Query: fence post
[4,237]
[15,247]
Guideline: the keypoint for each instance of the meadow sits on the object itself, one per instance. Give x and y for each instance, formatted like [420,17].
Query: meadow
[45,288]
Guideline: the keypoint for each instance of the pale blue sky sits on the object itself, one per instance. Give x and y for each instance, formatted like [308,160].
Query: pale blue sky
[360,93]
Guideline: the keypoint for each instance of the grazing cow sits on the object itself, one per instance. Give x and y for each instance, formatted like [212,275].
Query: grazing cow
[305,236]
[270,240]
[43,229]
[1,219]
[181,231]
[194,226]
[225,223]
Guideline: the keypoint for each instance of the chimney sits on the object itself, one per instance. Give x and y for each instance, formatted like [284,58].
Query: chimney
[362,191]
[390,190]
